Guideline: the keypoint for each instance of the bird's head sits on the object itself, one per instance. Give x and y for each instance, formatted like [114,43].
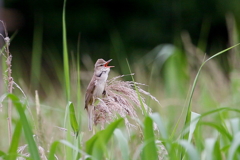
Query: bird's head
[102,65]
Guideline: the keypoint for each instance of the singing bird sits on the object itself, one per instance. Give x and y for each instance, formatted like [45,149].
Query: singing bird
[96,87]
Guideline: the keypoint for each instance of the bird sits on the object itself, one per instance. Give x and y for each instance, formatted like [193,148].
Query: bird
[96,87]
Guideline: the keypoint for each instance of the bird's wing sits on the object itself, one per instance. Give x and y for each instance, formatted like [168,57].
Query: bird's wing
[89,93]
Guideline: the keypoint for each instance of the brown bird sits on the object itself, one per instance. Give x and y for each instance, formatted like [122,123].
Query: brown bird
[96,87]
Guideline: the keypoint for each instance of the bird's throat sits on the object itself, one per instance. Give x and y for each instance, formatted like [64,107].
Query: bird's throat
[101,73]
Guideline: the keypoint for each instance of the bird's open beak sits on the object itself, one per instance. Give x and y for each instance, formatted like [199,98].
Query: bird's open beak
[106,64]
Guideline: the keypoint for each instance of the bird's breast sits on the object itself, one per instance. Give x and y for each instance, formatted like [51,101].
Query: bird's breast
[99,87]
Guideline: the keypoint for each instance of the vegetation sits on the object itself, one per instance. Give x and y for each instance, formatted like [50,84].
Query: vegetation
[197,116]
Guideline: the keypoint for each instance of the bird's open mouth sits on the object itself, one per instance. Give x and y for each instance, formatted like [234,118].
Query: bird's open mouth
[106,64]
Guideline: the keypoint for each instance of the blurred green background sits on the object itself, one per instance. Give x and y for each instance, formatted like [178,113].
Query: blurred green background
[117,30]
[140,25]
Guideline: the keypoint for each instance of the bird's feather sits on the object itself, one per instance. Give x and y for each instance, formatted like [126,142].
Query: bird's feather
[89,94]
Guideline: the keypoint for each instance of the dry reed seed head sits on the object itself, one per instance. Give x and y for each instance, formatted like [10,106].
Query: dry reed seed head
[117,77]
[24,153]
[7,41]
[120,100]
[42,153]
[9,60]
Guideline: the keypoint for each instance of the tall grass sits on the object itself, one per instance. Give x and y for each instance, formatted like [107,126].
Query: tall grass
[194,131]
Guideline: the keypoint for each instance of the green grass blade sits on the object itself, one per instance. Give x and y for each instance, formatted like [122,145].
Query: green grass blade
[139,96]
[67,125]
[193,124]
[65,54]
[190,150]
[186,127]
[235,125]
[55,144]
[73,119]
[2,154]
[188,117]
[52,151]
[219,127]
[79,95]
[12,152]
[150,149]
[212,149]
[32,147]
[71,146]
[123,144]
[109,130]
[78,145]
[69,153]
[218,110]
[91,142]
[162,129]
[97,144]
[234,146]
[103,139]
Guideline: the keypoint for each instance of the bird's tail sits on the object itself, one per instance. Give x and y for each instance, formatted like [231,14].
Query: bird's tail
[90,117]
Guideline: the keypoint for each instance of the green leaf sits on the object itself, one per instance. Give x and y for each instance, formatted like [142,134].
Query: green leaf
[193,124]
[91,142]
[108,132]
[78,145]
[69,137]
[12,152]
[234,146]
[73,119]
[68,152]
[2,154]
[212,149]
[32,147]
[219,127]
[97,144]
[189,148]
[52,151]
[188,117]
[65,54]
[55,144]
[235,125]
[123,144]
[162,129]
[79,94]
[139,95]
[150,149]
[26,127]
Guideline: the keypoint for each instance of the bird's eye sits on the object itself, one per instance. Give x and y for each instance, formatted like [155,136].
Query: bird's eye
[101,64]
